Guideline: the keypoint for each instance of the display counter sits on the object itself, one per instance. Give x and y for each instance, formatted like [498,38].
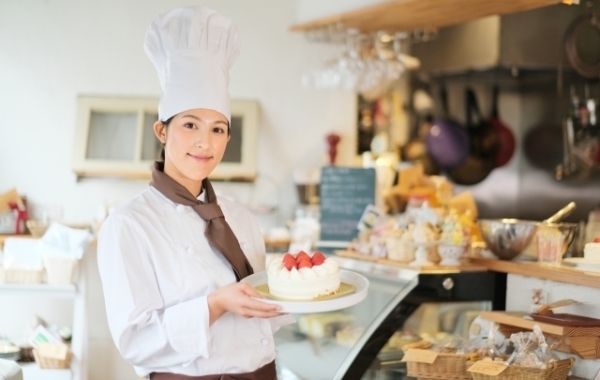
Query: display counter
[353,343]
[560,273]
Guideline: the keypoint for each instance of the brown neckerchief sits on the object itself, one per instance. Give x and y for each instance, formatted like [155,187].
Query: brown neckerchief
[219,234]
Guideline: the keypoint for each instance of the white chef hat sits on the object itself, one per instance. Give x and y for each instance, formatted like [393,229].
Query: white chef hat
[193,49]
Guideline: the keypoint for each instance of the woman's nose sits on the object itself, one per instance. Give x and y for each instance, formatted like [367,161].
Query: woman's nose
[202,138]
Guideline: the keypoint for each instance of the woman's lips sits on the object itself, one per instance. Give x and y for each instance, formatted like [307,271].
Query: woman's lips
[200,158]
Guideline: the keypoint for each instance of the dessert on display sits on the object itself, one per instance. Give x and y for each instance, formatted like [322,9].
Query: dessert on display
[425,239]
[453,240]
[591,251]
[303,277]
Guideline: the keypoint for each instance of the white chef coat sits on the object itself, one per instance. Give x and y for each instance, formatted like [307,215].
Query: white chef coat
[157,269]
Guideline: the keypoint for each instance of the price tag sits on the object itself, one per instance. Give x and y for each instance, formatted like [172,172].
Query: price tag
[486,367]
[420,356]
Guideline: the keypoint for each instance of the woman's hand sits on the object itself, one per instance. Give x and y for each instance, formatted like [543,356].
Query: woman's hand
[237,298]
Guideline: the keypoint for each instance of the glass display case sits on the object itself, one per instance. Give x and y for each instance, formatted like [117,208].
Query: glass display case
[363,342]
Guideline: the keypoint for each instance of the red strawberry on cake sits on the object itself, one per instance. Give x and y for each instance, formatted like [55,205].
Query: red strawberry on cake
[303,277]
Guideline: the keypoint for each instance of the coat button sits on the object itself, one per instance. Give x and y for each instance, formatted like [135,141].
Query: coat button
[189,250]
[181,208]
[264,341]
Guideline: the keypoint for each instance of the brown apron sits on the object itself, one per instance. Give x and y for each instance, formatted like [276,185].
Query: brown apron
[266,372]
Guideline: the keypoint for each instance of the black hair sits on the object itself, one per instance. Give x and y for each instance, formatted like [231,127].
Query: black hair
[166,124]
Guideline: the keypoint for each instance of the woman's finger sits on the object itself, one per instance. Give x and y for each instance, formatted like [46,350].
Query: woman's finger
[249,290]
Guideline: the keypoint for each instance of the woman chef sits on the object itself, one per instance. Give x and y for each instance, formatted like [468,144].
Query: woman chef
[171,258]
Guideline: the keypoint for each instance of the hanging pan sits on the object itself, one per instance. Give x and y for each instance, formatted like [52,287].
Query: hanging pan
[483,148]
[506,138]
[447,141]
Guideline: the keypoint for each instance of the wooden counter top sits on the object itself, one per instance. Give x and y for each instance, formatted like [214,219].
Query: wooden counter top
[544,271]
[562,273]
[435,269]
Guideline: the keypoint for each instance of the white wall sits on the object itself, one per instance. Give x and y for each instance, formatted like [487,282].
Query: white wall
[52,51]
[309,10]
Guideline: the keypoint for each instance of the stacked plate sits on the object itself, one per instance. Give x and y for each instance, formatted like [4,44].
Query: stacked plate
[9,352]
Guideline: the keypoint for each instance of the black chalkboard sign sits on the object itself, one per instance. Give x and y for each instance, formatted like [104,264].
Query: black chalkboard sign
[344,195]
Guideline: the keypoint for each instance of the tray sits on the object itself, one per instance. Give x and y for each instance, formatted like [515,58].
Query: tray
[360,283]
[580,262]
[565,319]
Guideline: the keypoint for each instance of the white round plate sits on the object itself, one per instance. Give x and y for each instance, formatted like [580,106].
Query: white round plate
[359,281]
[581,262]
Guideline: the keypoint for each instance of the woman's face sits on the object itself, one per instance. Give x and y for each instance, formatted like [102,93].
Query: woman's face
[195,142]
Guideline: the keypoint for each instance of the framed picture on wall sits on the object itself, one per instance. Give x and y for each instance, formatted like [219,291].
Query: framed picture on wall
[114,137]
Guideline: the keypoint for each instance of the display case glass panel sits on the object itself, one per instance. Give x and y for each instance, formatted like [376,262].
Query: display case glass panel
[322,346]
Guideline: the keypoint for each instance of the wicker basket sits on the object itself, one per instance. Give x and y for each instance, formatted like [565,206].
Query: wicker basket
[26,354]
[60,271]
[51,363]
[37,227]
[558,370]
[21,276]
[446,366]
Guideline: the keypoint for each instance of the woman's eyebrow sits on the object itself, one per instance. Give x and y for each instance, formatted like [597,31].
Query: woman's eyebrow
[197,118]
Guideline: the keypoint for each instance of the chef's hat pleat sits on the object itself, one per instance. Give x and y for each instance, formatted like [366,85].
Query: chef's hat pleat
[193,49]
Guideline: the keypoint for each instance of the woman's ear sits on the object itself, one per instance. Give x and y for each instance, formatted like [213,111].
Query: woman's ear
[160,130]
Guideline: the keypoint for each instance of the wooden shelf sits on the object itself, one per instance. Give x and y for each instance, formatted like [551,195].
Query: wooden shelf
[407,15]
[33,371]
[543,271]
[43,290]
[146,175]
[583,341]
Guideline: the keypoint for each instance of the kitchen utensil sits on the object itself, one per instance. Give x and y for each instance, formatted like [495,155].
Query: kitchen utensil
[543,146]
[506,139]
[483,146]
[447,142]
[568,230]
[507,238]
[584,28]
[562,213]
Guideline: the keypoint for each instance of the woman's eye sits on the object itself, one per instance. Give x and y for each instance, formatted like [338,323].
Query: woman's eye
[218,130]
[188,125]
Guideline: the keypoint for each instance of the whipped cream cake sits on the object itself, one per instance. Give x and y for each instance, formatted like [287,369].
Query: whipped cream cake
[303,277]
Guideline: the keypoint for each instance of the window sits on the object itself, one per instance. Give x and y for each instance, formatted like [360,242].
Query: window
[114,137]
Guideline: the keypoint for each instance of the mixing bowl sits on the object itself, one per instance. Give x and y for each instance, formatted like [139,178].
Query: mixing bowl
[506,238]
